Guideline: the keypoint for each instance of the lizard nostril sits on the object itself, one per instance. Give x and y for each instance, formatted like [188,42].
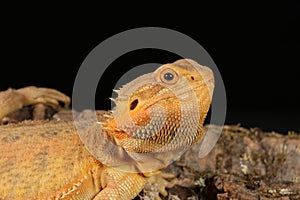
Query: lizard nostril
[134,104]
[192,77]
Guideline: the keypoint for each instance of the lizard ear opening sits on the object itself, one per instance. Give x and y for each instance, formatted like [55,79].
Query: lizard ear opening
[133,104]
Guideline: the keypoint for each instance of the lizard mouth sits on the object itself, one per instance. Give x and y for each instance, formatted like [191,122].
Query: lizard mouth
[186,92]
[197,86]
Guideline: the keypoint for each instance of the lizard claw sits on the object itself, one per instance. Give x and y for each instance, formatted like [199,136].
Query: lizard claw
[34,95]
[12,100]
[157,185]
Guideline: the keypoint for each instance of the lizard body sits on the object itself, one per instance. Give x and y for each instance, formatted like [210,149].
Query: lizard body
[156,117]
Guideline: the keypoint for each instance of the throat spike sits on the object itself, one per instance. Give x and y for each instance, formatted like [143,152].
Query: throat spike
[107,116]
[116,91]
[113,99]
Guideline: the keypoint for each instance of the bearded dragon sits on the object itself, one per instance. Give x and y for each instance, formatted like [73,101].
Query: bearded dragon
[157,116]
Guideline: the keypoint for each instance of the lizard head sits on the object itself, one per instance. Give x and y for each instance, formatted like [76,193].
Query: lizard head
[156,118]
[163,111]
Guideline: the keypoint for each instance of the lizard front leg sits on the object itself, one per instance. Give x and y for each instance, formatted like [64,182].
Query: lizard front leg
[120,185]
[12,100]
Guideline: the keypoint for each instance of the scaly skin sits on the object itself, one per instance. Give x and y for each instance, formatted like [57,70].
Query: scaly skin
[157,117]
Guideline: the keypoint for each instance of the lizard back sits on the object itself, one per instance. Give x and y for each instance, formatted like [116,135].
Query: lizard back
[34,153]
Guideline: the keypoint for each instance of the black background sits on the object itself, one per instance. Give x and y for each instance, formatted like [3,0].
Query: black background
[255,47]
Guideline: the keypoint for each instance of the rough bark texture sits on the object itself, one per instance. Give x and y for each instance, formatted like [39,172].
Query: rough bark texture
[244,164]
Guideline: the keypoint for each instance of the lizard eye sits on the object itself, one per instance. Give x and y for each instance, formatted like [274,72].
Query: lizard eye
[169,76]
